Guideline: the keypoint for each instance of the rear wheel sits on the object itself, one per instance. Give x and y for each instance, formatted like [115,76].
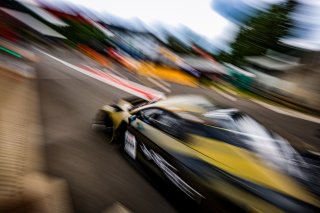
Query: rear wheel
[118,134]
[104,124]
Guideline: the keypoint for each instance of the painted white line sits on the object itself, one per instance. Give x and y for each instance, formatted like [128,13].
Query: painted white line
[115,72]
[109,82]
[129,74]
[231,91]
[288,112]
[226,96]
[136,77]
[158,84]
[163,82]
[231,98]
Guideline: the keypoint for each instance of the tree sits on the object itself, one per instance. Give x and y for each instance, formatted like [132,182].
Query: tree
[82,33]
[263,32]
[178,46]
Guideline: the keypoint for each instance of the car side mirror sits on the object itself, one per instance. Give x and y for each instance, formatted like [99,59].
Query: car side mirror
[132,118]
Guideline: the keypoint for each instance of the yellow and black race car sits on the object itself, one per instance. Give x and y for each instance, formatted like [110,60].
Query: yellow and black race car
[221,158]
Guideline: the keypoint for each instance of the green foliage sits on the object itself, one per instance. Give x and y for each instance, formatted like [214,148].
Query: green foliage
[263,31]
[81,32]
[178,46]
[223,57]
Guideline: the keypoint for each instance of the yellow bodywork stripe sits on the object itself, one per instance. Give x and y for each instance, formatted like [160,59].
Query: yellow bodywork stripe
[234,160]
[242,163]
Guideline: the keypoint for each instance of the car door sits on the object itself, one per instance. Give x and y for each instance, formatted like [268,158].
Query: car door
[136,133]
[160,138]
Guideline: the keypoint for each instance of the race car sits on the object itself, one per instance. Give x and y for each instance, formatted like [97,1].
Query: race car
[220,157]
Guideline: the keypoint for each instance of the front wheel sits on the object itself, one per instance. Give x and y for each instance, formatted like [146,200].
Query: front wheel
[103,123]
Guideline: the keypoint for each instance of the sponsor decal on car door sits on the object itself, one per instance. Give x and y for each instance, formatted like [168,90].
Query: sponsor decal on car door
[170,172]
[130,145]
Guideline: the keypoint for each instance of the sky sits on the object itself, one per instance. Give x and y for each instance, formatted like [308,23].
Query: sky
[195,14]
[199,16]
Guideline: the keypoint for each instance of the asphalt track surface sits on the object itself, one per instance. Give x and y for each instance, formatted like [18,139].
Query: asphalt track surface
[97,173]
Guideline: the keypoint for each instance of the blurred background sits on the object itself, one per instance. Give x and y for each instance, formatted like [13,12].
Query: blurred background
[259,56]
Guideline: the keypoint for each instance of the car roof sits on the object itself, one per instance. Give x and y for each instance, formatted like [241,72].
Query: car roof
[195,108]
[186,103]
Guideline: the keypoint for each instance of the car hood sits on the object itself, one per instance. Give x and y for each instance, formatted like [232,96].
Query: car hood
[250,166]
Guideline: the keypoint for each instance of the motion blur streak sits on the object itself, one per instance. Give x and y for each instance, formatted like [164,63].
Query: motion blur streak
[159,106]
[112,80]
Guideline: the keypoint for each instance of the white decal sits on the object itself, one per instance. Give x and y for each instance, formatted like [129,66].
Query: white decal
[169,172]
[130,144]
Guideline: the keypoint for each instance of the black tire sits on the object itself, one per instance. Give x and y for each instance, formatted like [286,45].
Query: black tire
[119,134]
[103,124]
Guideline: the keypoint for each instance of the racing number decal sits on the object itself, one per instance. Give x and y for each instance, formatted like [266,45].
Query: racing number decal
[130,144]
